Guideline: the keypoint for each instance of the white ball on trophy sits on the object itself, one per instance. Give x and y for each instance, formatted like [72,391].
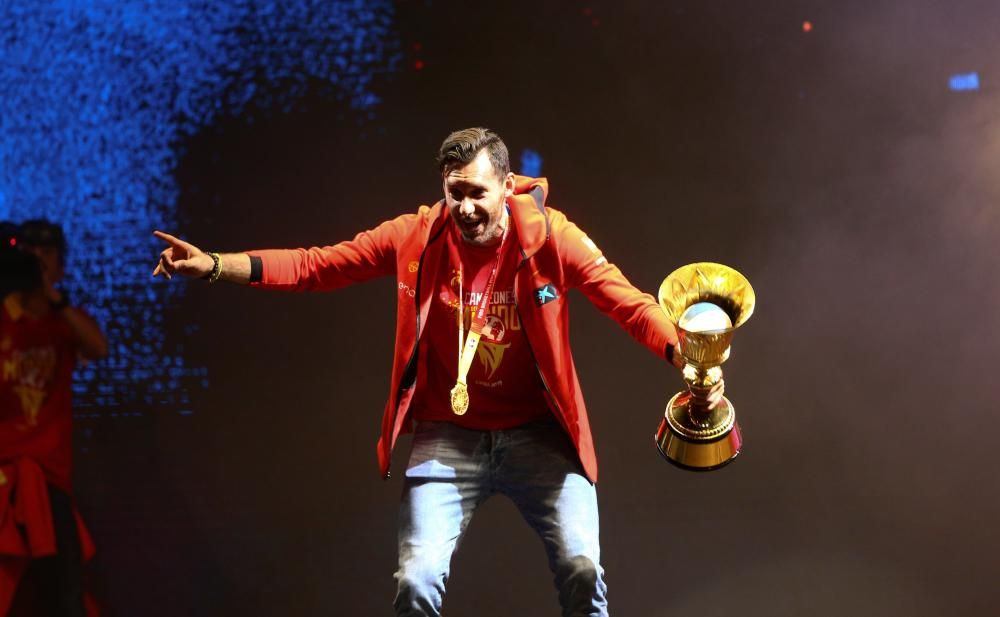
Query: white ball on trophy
[705,317]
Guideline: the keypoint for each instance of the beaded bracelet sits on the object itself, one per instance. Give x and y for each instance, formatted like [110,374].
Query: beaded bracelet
[216,269]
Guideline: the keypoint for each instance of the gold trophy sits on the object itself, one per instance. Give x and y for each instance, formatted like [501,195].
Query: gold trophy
[706,302]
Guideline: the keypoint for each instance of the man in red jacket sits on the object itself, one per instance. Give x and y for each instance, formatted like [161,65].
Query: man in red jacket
[482,373]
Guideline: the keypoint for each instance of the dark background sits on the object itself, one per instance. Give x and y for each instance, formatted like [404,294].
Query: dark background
[834,168]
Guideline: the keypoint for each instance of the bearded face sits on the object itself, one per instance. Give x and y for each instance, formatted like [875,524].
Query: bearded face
[475,197]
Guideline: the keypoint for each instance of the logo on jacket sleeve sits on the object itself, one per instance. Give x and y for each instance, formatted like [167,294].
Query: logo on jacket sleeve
[545,294]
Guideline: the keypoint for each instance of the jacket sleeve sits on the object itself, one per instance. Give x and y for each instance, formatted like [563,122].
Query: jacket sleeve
[370,254]
[586,268]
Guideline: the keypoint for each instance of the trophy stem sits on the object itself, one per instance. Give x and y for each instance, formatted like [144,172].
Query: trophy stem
[700,381]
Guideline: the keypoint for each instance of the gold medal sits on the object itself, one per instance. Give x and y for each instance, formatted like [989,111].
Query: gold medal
[460,399]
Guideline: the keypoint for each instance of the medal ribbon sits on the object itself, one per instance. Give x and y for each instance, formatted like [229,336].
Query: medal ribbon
[468,349]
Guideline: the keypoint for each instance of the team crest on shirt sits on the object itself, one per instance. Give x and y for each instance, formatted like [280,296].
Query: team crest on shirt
[501,324]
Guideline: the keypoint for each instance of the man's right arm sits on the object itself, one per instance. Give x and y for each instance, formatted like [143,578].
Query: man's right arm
[368,255]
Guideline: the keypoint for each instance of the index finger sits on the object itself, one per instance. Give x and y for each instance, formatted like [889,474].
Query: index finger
[170,239]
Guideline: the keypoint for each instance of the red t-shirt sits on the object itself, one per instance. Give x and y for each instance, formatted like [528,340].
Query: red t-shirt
[37,356]
[505,389]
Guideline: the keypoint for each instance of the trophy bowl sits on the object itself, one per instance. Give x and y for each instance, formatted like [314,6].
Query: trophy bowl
[706,302]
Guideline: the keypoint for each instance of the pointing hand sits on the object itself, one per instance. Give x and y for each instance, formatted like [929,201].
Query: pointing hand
[182,258]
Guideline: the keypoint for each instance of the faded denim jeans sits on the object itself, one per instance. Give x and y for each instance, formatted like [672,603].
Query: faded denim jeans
[453,470]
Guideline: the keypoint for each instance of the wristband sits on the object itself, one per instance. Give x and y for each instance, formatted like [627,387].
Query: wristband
[216,268]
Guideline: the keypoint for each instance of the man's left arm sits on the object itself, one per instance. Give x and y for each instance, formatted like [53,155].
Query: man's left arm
[586,268]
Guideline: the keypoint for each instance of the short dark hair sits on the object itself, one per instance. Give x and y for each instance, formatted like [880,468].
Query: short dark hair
[461,147]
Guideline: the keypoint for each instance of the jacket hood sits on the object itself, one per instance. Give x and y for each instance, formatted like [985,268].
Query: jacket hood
[527,207]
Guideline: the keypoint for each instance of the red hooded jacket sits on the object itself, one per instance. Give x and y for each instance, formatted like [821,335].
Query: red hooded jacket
[556,256]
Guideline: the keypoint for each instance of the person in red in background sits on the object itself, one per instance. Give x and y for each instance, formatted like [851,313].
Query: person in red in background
[43,542]
[45,241]
[483,373]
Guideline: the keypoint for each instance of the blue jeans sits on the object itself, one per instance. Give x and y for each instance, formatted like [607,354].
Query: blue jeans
[452,470]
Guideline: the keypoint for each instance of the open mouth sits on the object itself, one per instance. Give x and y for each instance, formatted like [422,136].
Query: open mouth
[470,227]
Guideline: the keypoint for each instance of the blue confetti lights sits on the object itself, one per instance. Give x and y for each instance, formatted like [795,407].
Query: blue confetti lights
[95,97]
[964,81]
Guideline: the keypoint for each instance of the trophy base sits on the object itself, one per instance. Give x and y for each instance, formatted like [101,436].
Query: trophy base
[698,447]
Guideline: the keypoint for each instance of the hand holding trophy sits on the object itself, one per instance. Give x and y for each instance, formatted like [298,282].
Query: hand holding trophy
[706,302]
